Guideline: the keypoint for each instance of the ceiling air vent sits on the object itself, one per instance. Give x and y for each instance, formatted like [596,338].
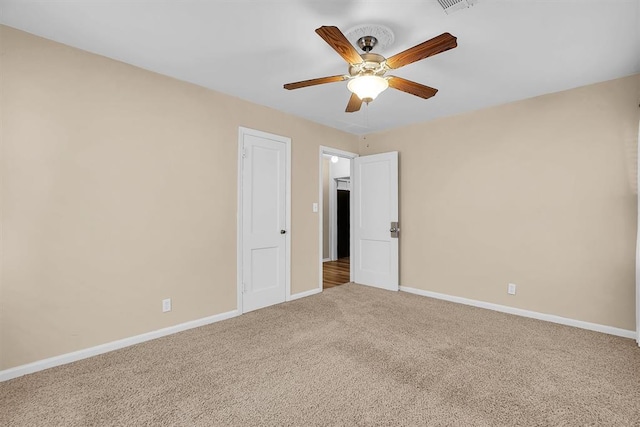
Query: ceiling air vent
[451,6]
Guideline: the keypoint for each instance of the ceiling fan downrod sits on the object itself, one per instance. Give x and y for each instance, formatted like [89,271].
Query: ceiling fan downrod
[367,43]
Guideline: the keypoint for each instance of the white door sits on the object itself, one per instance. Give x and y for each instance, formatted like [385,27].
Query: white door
[264,219]
[375,192]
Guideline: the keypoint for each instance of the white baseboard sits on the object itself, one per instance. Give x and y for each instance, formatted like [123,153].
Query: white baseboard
[304,294]
[524,313]
[326,260]
[63,359]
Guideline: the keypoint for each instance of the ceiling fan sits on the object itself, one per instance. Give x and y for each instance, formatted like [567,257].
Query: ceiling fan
[367,71]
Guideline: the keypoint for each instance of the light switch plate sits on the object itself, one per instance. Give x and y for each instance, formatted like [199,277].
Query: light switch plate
[315,207]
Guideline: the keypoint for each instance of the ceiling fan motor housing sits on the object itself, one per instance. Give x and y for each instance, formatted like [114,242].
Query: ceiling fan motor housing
[372,64]
[367,43]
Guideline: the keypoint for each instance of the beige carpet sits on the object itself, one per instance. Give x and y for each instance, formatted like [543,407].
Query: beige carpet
[352,355]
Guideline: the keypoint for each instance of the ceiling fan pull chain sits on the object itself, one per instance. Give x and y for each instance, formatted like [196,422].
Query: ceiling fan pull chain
[366,116]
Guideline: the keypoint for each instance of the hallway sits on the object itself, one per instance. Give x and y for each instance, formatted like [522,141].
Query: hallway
[335,273]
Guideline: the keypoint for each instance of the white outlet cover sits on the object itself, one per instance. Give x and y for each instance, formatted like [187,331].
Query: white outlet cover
[315,207]
[166,305]
[511,289]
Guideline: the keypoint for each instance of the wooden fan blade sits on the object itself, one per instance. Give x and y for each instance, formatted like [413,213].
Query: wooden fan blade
[354,104]
[411,87]
[334,37]
[424,50]
[313,82]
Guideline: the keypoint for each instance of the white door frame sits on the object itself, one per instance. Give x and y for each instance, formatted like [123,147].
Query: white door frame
[324,150]
[287,141]
[638,247]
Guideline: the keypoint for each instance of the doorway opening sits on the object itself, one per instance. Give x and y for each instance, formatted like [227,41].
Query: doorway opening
[335,217]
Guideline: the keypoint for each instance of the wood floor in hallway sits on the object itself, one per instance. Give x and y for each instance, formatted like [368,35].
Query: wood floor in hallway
[335,273]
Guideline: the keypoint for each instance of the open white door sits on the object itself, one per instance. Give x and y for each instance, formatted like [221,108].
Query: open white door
[375,193]
[264,211]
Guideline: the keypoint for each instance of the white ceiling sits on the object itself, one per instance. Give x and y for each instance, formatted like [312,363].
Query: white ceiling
[507,50]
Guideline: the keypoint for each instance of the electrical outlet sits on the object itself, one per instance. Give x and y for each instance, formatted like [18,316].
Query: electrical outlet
[314,207]
[511,289]
[166,305]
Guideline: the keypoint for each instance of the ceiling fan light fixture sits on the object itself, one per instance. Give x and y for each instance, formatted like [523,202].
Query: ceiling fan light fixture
[368,87]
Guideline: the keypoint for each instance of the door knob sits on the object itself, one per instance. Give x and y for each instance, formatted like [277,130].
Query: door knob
[283,231]
[395,229]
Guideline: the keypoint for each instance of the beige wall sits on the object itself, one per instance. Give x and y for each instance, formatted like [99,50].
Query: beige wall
[118,190]
[540,193]
[326,163]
